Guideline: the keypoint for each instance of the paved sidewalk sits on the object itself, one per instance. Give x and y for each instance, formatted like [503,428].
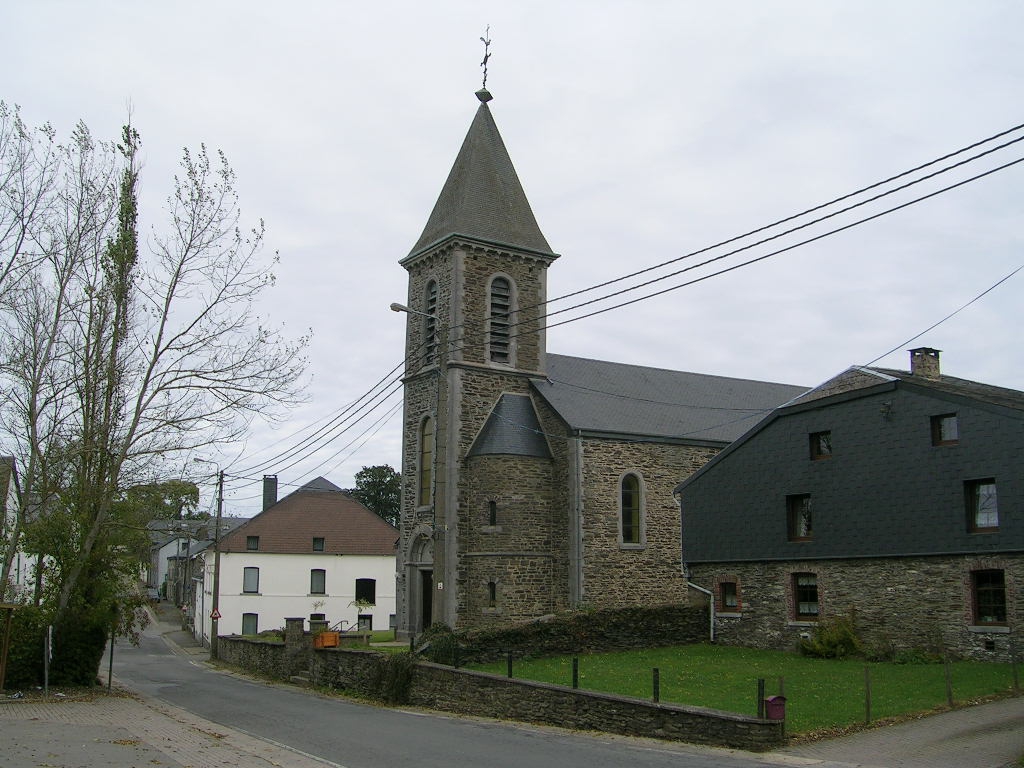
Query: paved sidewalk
[128,732]
[984,736]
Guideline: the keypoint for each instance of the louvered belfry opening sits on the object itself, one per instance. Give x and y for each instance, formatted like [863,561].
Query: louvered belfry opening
[500,328]
[430,325]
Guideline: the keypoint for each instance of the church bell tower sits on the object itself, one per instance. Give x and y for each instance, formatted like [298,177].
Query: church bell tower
[478,509]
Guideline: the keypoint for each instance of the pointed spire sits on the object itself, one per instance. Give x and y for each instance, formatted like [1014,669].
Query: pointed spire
[482,197]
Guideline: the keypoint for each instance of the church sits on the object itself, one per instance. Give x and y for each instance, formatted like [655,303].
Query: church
[534,483]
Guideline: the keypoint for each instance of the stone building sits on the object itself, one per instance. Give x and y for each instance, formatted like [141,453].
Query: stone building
[534,483]
[888,495]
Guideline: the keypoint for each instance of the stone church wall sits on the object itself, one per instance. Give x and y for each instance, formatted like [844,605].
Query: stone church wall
[617,574]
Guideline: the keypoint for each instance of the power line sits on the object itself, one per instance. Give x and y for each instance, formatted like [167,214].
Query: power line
[335,422]
[947,317]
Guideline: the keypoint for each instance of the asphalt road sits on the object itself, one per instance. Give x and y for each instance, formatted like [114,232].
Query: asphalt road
[357,735]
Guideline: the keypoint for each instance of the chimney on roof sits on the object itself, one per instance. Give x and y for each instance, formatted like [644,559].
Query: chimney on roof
[269,491]
[924,362]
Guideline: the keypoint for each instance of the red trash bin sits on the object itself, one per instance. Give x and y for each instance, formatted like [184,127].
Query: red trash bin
[775,707]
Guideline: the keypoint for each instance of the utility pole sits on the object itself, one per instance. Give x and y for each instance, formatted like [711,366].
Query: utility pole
[215,610]
[215,613]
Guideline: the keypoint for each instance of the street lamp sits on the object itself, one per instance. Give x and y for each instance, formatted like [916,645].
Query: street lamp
[215,613]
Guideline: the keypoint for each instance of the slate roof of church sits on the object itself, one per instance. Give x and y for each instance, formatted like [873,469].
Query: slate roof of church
[512,429]
[483,198]
[319,509]
[634,401]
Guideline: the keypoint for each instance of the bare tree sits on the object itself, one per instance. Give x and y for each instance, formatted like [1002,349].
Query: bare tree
[28,167]
[60,202]
[146,356]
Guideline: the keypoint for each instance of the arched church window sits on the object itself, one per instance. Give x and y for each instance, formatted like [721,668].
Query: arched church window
[430,324]
[500,321]
[426,462]
[631,510]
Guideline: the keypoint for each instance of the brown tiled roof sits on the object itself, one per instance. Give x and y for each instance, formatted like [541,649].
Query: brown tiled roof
[318,509]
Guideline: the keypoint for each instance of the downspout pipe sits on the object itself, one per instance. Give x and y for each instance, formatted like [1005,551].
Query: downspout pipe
[711,603]
[686,571]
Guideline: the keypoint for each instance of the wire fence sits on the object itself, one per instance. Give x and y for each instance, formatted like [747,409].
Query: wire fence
[814,695]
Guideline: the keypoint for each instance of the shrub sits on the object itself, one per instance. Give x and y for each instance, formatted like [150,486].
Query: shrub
[834,638]
[394,676]
[25,654]
[440,645]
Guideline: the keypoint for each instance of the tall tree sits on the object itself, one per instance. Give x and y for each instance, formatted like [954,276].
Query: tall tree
[123,363]
[380,489]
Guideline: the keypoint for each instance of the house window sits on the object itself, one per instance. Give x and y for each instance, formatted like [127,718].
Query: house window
[631,510]
[728,596]
[318,544]
[500,328]
[250,623]
[318,581]
[821,445]
[492,513]
[982,509]
[805,596]
[989,591]
[426,461]
[492,594]
[945,429]
[430,324]
[252,543]
[366,591]
[251,580]
[798,517]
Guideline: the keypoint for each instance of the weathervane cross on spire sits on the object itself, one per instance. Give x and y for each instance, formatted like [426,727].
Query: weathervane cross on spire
[486,40]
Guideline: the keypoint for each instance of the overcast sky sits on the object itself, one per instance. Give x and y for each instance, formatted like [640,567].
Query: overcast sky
[641,131]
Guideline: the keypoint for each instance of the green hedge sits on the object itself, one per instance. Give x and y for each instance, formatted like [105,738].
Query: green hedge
[573,632]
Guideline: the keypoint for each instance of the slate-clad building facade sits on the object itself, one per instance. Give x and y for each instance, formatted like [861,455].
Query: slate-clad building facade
[895,496]
[534,483]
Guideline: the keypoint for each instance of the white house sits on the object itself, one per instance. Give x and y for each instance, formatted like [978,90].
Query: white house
[316,554]
[23,566]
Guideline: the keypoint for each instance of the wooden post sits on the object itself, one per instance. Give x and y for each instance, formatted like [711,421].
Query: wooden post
[575,671]
[867,694]
[760,697]
[508,665]
[949,683]
[1013,668]
[656,685]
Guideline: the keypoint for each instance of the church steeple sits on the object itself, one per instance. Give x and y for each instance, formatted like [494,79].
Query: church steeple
[483,198]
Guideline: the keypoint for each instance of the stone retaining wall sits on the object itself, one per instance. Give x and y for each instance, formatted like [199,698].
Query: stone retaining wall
[479,693]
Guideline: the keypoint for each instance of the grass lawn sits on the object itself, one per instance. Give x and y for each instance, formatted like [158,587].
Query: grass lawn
[820,693]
